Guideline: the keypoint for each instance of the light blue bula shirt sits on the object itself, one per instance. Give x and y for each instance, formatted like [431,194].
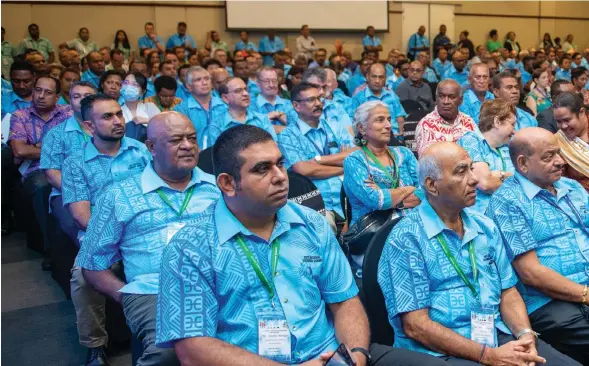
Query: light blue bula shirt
[480,151]
[131,221]
[430,75]
[226,121]
[335,114]
[300,142]
[12,102]
[201,118]
[393,82]
[147,42]
[524,119]
[344,101]
[177,40]
[471,105]
[414,273]
[355,81]
[206,276]
[531,218]
[242,46]
[261,105]
[388,97]
[371,41]
[563,74]
[273,46]
[439,67]
[460,77]
[88,75]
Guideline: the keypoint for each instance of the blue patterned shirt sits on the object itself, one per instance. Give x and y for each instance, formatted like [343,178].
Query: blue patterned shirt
[480,151]
[440,67]
[371,41]
[414,273]
[394,81]
[471,105]
[226,121]
[206,276]
[88,75]
[563,74]
[261,105]
[389,98]
[252,88]
[416,41]
[146,42]
[430,75]
[86,172]
[300,142]
[460,77]
[355,82]
[272,46]
[358,167]
[524,119]
[531,218]
[201,118]
[12,102]
[132,222]
[344,101]
[249,46]
[335,114]
[177,40]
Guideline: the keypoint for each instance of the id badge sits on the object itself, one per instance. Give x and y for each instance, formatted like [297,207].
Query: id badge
[482,326]
[173,228]
[274,339]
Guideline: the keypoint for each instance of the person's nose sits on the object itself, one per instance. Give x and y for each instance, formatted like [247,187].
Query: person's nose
[279,175]
[558,161]
[186,144]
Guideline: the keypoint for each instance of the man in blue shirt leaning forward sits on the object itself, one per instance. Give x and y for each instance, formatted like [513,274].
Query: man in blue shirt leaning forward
[259,273]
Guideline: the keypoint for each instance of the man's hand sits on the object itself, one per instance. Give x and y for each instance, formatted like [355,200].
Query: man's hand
[512,354]
[153,36]
[411,201]
[319,361]
[279,116]
[531,348]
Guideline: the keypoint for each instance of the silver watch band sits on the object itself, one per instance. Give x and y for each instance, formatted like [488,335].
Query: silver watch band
[526,331]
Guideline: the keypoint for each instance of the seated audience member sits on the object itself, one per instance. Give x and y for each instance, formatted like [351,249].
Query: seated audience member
[319,58]
[202,107]
[121,43]
[117,61]
[180,52]
[181,38]
[478,91]
[543,218]
[214,42]
[240,70]
[546,118]
[488,149]
[67,78]
[279,111]
[429,74]
[294,77]
[378,177]
[458,70]
[110,83]
[221,56]
[218,77]
[538,98]
[136,111]
[448,285]
[105,52]
[359,78]
[252,70]
[282,88]
[60,142]
[441,63]
[564,69]
[253,223]
[54,70]
[244,43]
[579,78]
[506,88]
[165,94]
[95,68]
[375,90]
[182,91]
[527,69]
[172,191]
[87,170]
[167,68]
[414,88]
[28,128]
[36,59]
[234,93]
[571,118]
[446,122]
[316,149]
[395,80]
[336,94]
[171,56]
[22,80]
[568,44]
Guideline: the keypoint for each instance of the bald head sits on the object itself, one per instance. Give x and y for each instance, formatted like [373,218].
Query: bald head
[458,60]
[416,71]
[526,141]
[331,79]
[218,77]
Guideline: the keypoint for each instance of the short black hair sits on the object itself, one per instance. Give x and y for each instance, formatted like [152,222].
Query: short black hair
[571,101]
[224,88]
[31,51]
[31,26]
[141,80]
[108,73]
[211,62]
[88,103]
[555,87]
[298,89]
[21,65]
[564,57]
[493,32]
[168,62]
[497,79]
[165,82]
[578,72]
[56,81]
[3,30]
[182,24]
[229,145]
[116,51]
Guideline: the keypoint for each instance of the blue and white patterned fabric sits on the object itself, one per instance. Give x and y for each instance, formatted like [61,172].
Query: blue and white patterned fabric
[201,118]
[480,151]
[531,218]
[471,105]
[207,276]
[226,121]
[182,91]
[393,82]
[344,101]
[563,74]
[335,114]
[86,172]
[131,222]
[355,82]
[12,102]
[261,105]
[524,119]
[430,75]
[146,42]
[414,273]
[178,40]
[88,75]
[440,67]
[371,41]
[390,70]
[358,167]
[460,77]
[526,77]
[242,46]
[300,142]
[345,76]
[271,46]
[416,41]
[387,97]
[253,89]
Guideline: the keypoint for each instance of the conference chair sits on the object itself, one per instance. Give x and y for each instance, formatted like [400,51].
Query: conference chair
[409,129]
[411,106]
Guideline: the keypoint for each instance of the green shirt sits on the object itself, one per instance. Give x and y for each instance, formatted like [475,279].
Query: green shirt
[43,45]
[493,46]
[83,48]
[7,54]
[219,45]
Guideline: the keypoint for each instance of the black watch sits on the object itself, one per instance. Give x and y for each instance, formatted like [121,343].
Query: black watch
[364,352]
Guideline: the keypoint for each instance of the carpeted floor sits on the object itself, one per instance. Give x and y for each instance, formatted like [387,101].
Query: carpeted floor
[38,322]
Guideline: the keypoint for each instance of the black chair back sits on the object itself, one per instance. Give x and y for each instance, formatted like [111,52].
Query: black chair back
[346,207]
[409,129]
[411,106]
[302,191]
[374,303]
[205,160]
[433,87]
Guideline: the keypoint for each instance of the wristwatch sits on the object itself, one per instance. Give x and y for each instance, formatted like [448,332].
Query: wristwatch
[502,176]
[364,352]
[522,332]
[317,158]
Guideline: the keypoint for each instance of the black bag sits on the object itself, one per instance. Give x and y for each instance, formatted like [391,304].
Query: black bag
[358,236]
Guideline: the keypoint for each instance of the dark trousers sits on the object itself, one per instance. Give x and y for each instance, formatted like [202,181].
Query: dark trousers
[565,326]
[36,189]
[10,178]
[65,219]
[389,356]
[552,356]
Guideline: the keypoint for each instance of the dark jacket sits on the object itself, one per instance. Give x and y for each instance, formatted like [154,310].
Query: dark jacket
[546,120]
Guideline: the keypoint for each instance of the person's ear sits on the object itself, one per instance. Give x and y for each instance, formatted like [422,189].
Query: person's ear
[522,164]
[431,186]
[89,126]
[296,106]
[227,184]
[225,99]
[150,146]
[496,122]
[495,92]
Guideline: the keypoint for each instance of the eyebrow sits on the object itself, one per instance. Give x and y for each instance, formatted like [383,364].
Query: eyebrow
[460,166]
[266,163]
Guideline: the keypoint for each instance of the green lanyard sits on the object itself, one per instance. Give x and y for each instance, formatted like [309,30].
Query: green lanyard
[394,179]
[457,268]
[501,157]
[184,204]
[256,266]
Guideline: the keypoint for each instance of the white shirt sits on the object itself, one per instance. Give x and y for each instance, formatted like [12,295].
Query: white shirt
[306,46]
[146,110]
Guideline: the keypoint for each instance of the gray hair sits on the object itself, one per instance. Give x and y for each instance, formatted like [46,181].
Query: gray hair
[428,167]
[87,84]
[265,68]
[193,70]
[449,81]
[478,64]
[301,56]
[361,117]
[315,71]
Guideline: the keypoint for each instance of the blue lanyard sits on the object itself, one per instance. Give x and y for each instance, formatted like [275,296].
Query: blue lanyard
[572,207]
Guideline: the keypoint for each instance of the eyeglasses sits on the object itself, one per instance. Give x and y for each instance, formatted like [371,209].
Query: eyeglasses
[481,77]
[415,70]
[269,81]
[131,83]
[309,100]
[237,91]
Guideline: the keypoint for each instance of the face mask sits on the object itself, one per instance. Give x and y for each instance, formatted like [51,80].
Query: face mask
[130,93]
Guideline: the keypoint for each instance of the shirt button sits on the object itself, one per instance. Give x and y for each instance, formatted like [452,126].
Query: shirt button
[286,301]
[276,273]
[294,327]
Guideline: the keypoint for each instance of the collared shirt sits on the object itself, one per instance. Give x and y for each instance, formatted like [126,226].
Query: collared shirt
[562,74]
[414,273]
[8,52]
[88,75]
[83,48]
[145,41]
[421,93]
[153,99]
[531,218]
[226,121]
[263,106]
[127,52]
[12,102]
[306,46]
[460,77]
[26,125]
[252,88]
[203,260]
[480,151]
[150,90]
[388,97]
[430,75]
[416,41]
[358,168]
[249,46]
[344,101]
[86,172]
[272,46]
[182,91]
[524,119]
[371,41]
[131,222]
[202,118]
[62,101]
[390,69]
[354,82]
[221,45]
[393,82]
[526,77]
[178,40]
[300,142]
[43,45]
[471,105]
[433,128]
[440,40]
[335,114]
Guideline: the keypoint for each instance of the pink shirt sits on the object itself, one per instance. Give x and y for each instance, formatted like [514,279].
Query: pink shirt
[432,128]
